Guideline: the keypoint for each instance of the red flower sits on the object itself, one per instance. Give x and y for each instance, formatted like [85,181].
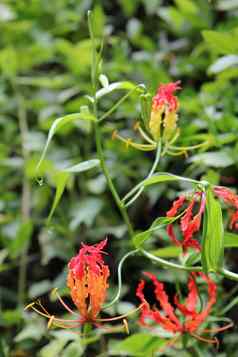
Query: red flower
[165,96]
[87,280]
[164,111]
[189,223]
[168,319]
[230,198]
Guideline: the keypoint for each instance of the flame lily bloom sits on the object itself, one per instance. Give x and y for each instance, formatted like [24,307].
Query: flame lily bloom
[160,124]
[189,224]
[87,281]
[229,197]
[191,318]
[164,111]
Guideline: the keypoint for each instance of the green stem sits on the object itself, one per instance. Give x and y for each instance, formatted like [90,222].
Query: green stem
[120,265]
[155,164]
[229,274]
[99,146]
[111,186]
[119,102]
[167,264]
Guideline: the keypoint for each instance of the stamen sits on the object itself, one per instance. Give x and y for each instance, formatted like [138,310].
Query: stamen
[125,323]
[145,136]
[121,316]
[50,322]
[219,329]
[29,306]
[203,339]
[63,303]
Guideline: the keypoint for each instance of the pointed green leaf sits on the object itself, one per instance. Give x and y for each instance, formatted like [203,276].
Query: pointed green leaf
[83,166]
[213,235]
[61,179]
[59,123]
[139,344]
[115,86]
[159,223]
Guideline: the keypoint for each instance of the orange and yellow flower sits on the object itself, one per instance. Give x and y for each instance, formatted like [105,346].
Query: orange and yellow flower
[87,280]
[164,111]
[88,283]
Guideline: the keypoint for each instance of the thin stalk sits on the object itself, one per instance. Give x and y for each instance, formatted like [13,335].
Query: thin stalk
[119,102]
[155,164]
[25,200]
[120,265]
[229,274]
[98,136]
[167,264]
[111,186]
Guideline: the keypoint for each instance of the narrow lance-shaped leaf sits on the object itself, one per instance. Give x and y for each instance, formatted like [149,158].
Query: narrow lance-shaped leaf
[159,223]
[61,179]
[213,235]
[126,85]
[59,123]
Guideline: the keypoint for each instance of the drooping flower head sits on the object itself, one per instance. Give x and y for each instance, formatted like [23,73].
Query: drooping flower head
[164,111]
[189,223]
[189,317]
[87,280]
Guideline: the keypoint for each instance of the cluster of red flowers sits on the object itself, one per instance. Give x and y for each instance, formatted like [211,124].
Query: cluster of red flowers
[191,319]
[190,223]
[88,274]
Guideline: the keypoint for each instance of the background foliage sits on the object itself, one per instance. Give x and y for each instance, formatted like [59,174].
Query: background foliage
[45,56]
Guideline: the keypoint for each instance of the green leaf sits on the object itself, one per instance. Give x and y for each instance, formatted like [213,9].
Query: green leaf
[140,344]
[230,240]
[59,123]
[22,238]
[223,63]
[167,252]
[83,166]
[61,179]
[213,235]
[159,223]
[222,42]
[160,177]
[125,85]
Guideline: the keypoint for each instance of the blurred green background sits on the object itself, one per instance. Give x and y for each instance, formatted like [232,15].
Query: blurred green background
[45,57]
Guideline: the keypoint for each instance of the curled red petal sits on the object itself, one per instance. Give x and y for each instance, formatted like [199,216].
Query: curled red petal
[172,236]
[188,309]
[227,195]
[234,220]
[165,96]
[162,298]
[177,204]
[193,324]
